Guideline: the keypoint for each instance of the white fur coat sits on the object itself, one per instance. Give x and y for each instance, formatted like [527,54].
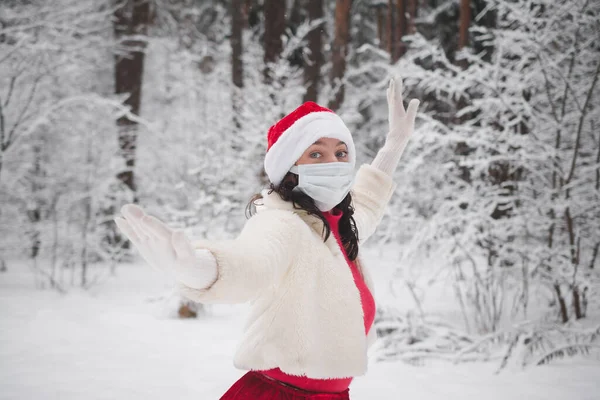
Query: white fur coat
[306,315]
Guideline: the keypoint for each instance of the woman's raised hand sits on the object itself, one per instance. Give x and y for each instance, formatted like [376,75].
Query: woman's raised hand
[401,121]
[166,249]
[402,125]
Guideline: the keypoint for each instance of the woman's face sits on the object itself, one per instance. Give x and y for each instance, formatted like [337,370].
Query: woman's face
[325,150]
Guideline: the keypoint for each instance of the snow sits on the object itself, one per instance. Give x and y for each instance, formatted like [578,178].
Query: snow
[119,340]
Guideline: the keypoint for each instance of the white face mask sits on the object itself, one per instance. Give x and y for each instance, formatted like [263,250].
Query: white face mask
[327,183]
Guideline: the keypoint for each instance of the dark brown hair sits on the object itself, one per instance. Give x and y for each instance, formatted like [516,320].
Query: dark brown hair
[347,226]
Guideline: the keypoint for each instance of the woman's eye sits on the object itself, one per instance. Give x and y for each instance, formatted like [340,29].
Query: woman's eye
[315,155]
[341,154]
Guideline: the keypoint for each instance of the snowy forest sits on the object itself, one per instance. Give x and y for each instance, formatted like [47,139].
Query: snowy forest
[491,242]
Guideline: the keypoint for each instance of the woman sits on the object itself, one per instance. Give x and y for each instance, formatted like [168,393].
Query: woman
[297,258]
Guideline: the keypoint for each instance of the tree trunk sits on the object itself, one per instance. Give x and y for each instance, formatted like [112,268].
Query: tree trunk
[237,67]
[577,308]
[412,13]
[465,19]
[401,27]
[594,255]
[597,158]
[274,29]
[339,50]
[130,25]
[391,31]
[312,69]
[296,17]
[584,301]
[563,305]
[251,13]
[87,205]
[34,209]
[3,146]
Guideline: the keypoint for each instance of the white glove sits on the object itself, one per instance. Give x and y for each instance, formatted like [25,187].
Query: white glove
[167,250]
[401,125]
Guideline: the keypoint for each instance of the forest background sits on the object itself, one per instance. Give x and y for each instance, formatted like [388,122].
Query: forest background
[166,103]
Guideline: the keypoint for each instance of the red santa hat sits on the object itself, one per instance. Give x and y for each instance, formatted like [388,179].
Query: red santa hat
[289,138]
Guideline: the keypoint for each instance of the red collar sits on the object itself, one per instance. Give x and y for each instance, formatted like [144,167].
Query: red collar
[333,217]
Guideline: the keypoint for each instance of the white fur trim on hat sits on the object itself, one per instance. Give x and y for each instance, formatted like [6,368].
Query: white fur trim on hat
[294,141]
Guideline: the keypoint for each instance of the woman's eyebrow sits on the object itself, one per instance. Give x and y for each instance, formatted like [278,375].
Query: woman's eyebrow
[321,143]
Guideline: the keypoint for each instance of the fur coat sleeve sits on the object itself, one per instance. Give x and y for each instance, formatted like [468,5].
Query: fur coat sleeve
[258,258]
[371,193]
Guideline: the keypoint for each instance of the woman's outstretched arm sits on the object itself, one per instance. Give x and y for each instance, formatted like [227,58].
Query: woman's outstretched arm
[374,185]
[227,271]
[165,249]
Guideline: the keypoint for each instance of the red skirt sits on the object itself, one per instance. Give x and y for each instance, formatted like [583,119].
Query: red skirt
[256,386]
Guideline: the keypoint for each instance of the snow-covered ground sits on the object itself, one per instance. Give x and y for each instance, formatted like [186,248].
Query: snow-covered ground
[119,341]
